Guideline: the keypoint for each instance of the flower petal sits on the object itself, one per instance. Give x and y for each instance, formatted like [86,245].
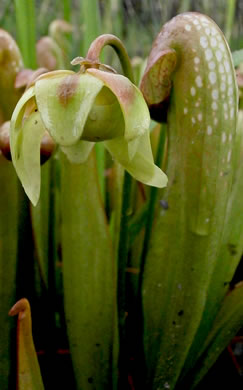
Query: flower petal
[142,166]
[26,159]
[79,152]
[133,106]
[16,122]
[64,102]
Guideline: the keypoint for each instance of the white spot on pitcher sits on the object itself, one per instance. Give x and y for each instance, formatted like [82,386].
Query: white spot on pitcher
[204,42]
[215,94]
[229,156]
[223,137]
[213,42]
[199,81]
[208,54]
[212,77]
[211,65]
[221,68]
[219,55]
[209,130]
[222,87]
[227,65]
[199,116]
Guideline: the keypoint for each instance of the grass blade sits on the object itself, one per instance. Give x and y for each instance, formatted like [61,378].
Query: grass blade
[25,19]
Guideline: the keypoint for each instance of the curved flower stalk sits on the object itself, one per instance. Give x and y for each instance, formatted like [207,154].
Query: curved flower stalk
[190,66]
[79,109]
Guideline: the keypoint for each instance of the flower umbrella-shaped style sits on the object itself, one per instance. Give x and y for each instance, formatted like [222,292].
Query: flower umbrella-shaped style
[79,109]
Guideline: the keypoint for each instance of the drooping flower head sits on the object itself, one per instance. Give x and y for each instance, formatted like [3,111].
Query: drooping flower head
[79,109]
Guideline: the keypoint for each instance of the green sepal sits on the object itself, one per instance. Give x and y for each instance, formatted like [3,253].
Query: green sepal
[105,120]
[64,102]
[29,141]
[134,109]
[25,140]
[141,166]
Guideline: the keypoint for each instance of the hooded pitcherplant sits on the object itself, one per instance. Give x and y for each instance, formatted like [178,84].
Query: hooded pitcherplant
[78,109]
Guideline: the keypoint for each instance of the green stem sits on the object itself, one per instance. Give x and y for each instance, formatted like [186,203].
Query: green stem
[230,14]
[152,203]
[90,17]
[25,19]
[93,55]
[111,40]
[137,314]
[116,214]
[121,279]
[67,10]
[185,6]
[100,161]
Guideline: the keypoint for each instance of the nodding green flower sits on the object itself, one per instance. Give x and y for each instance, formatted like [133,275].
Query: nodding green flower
[79,109]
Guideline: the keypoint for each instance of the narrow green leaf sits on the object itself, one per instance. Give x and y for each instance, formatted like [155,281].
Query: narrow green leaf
[25,20]
[230,16]
[226,325]
[90,17]
[137,223]
[89,276]
[67,6]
